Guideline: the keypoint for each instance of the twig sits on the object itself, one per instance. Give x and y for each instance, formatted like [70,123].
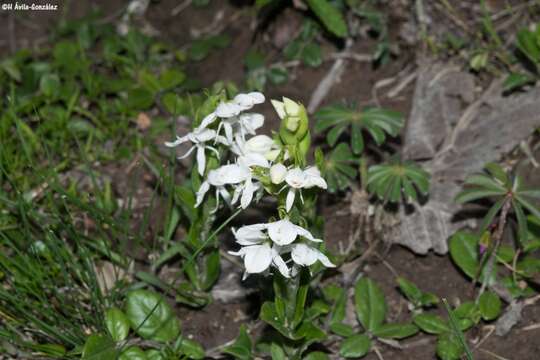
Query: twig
[378,353]
[498,357]
[329,80]
[491,329]
[180,7]
[402,85]
[531,327]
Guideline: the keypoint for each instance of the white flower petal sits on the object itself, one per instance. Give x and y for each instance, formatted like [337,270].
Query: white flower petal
[251,122]
[290,199]
[247,194]
[257,258]
[324,260]
[258,97]
[203,189]
[282,232]
[295,178]
[303,232]
[228,109]
[179,140]
[187,153]
[260,144]
[250,234]
[209,119]
[228,132]
[304,255]
[253,159]
[278,262]
[201,159]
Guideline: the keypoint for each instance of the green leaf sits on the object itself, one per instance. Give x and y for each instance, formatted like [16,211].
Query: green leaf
[171,78]
[11,68]
[449,347]
[311,55]
[489,305]
[316,355]
[278,75]
[241,348]
[192,349]
[49,85]
[117,324]
[140,99]
[355,346]
[395,331]
[431,324]
[370,304]
[151,317]
[522,222]
[464,252]
[154,355]
[342,329]
[277,352]
[99,347]
[387,181]
[133,353]
[331,17]
[409,289]
[526,42]
[339,168]
[516,80]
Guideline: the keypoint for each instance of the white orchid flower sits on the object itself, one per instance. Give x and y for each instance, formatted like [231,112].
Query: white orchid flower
[257,252]
[298,179]
[284,232]
[305,255]
[258,258]
[247,101]
[248,188]
[229,111]
[225,175]
[199,137]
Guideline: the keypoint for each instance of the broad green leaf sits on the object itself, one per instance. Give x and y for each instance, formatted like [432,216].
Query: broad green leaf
[464,252]
[489,305]
[341,329]
[99,347]
[316,355]
[117,324]
[410,290]
[140,99]
[154,355]
[242,346]
[355,346]
[330,16]
[395,331]
[191,349]
[449,347]
[277,352]
[432,324]
[133,353]
[370,304]
[151,317]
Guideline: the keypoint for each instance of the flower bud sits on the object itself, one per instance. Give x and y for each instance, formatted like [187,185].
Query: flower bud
[278,173]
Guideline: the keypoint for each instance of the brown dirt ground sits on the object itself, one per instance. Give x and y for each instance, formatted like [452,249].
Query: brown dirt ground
[217,324]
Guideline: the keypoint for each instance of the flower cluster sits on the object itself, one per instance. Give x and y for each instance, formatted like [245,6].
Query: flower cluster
[259,164]
[264,244]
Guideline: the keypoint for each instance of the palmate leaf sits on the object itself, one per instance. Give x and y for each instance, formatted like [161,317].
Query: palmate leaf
[390,181]
[339,168]
[377,122]
[497,184]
